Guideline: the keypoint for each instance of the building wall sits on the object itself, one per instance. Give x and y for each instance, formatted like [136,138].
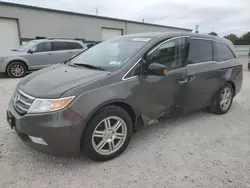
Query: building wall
[138,28]
[46,23]
[242,50]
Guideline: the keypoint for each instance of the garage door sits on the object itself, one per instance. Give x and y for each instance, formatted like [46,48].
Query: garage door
[9,37]
[110,33]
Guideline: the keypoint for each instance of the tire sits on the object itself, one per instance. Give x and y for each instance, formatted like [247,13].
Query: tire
[111,143]
[216,106]
[248,65]
[16,69]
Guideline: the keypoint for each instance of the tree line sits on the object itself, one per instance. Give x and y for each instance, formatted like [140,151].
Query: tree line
[236,40]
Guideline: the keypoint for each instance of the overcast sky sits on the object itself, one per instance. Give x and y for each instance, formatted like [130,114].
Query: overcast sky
[221,16]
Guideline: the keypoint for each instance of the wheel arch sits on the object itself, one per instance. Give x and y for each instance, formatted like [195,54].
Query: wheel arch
[16,60]
[120,103]
[233,86]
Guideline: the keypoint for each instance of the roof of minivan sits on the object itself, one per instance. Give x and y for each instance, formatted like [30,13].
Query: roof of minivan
[178,34]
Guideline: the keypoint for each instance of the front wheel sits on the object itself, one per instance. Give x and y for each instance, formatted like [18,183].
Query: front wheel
[107,134]
[223,99]
[16,69]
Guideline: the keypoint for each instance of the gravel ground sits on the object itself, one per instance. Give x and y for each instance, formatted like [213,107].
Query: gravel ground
[195,150]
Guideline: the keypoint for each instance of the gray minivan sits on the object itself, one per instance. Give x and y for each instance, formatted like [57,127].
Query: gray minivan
[38,54]
[95,101]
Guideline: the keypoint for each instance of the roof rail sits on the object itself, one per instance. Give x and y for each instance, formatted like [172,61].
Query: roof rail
[52,38]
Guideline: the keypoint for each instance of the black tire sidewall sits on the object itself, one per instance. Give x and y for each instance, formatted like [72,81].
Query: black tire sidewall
[218,99]
[16,63]
[94,121]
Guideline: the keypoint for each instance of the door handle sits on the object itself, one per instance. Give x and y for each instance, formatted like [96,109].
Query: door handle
[183,80]
[191,78]
[50,53]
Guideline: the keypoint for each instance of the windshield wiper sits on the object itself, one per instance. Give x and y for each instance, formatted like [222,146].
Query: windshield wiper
[89,66]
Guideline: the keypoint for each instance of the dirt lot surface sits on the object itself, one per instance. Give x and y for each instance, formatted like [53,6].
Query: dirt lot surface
[196,150]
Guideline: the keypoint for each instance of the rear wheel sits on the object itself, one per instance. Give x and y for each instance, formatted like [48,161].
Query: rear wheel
[16,69]
[107,133]
[222,101]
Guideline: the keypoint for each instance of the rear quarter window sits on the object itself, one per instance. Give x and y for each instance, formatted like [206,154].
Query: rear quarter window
[222,52]
[74,45]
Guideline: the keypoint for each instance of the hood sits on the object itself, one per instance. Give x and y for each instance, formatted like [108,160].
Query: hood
[10,53]
[53,81]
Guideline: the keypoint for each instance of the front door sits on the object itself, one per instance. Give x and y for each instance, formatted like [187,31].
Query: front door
[159,95]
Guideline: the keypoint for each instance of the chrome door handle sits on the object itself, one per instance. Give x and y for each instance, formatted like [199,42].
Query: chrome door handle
[183,80]
[191,77]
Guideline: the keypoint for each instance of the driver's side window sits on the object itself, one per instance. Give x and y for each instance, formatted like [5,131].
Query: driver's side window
[42,47]
[170,54]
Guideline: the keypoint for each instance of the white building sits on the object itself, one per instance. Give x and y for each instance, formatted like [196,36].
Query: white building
[19,23]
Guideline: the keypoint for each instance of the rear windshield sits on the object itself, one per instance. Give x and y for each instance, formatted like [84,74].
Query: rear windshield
[111,54]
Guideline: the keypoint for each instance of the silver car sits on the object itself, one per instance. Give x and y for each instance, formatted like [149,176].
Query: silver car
[38,54]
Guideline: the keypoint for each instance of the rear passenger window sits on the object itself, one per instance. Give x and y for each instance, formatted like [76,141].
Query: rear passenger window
[222,52]
[200,51]
[74,45]
[56,46]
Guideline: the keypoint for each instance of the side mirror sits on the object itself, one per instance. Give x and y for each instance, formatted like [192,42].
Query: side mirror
[31,51]
[157,69]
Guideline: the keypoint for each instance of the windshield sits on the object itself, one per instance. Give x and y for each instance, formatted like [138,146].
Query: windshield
[111,54]
[27,46]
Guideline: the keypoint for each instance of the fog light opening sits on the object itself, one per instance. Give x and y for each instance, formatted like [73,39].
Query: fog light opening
[38,140]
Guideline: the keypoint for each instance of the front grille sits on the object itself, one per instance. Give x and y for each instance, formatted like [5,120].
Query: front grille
[22,102]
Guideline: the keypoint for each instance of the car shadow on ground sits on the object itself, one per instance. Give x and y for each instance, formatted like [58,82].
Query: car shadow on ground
[3,76]
[139,140]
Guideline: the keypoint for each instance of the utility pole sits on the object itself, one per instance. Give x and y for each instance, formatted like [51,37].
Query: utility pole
[196,29]
[96,11]
[143,20]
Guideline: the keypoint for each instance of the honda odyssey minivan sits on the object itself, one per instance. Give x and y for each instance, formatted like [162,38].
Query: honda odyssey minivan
[95,101]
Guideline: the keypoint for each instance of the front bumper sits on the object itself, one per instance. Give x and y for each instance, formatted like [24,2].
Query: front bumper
[61,130]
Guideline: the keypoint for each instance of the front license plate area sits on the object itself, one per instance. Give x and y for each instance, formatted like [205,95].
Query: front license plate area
[11,120]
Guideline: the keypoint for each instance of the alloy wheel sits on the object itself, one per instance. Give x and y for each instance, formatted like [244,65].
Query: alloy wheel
[226,98]
[109,135]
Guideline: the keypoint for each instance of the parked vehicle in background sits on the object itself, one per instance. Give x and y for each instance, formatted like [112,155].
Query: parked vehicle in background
[249,60]
[96,100]
[38,54]
[91,44]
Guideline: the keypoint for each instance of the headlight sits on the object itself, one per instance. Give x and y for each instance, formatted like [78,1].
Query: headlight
[49,105]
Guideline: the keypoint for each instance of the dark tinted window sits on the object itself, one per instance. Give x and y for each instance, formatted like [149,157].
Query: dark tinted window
[56,46]
[74,45]
[222,52]
[43,47]
[170,54]
[200,51]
